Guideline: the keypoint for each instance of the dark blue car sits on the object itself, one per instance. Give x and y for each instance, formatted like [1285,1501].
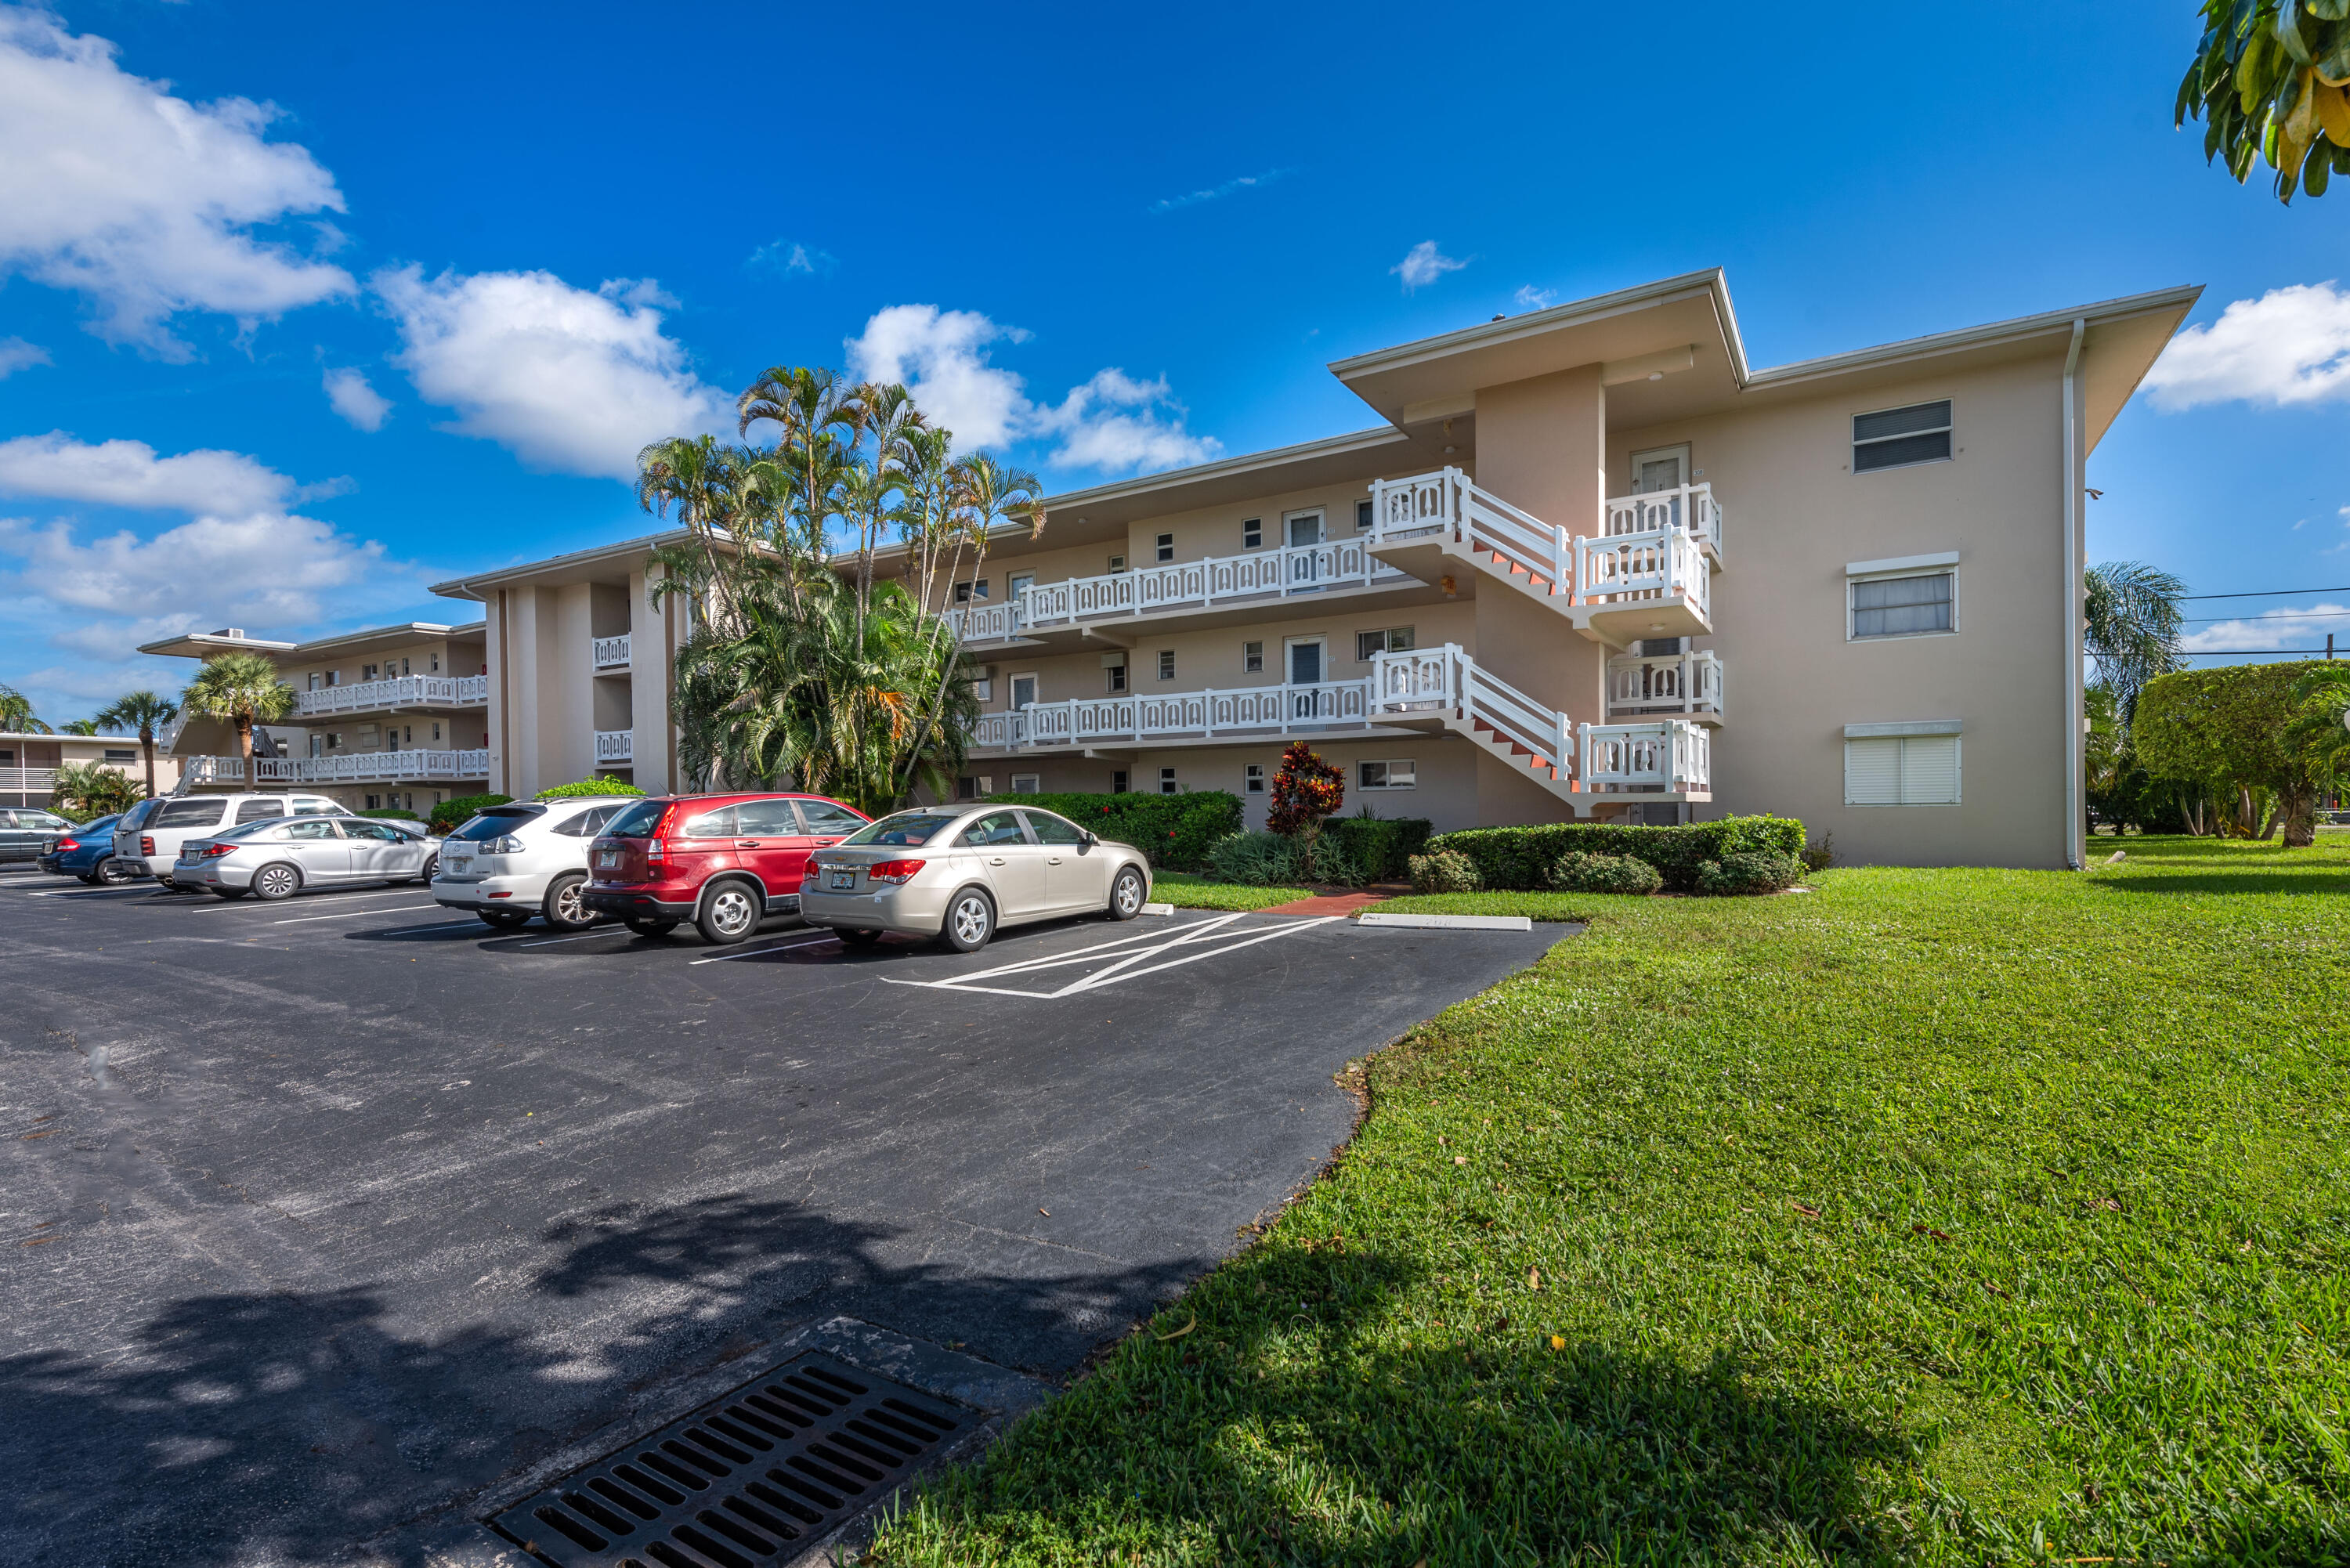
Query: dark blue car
[87,852]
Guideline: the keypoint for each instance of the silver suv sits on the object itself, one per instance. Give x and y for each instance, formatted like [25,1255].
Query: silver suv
[149,837]
[529,857]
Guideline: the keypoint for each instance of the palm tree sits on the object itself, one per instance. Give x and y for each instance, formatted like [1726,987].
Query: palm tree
[812,406]
[2133,615]
[145,712]
[82,727]
[244,690]
[87,790]
[16,713]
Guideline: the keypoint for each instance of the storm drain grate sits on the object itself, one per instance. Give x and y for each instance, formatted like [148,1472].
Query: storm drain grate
[754,1476]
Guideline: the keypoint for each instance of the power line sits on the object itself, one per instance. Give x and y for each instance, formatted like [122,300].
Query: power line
[2248,652]
[2266,594]
[2305,615]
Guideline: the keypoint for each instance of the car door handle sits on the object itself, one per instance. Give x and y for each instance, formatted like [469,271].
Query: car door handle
[1052,860]
[746,843]
[995,860]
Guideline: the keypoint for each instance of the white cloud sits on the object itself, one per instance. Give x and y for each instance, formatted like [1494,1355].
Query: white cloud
[127,473]
[1112,422]
[1423,264]
[359,402]
[1217,193]
[2290,346]
[269,569]
[16,355]
[790,257]
[114,642]
[1529,297]
[566,378]
[2292,628]
[145,202]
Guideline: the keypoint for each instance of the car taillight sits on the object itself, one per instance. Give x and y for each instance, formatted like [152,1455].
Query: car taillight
[64,846]
[657,849]
[504,844]
[215,851]
[146,846]
[896,873]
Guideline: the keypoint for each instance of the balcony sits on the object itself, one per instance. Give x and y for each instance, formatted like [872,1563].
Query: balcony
[1261,576]
[610,652]
[1687,685]
[1254,713]
[351,767]
[1670,758]
[402,691]
[615,746]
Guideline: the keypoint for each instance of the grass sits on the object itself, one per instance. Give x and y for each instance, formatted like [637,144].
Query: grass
[1935,1217]
[1186,890]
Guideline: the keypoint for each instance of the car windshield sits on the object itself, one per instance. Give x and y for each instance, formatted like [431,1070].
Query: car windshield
[496,822]
[638,821]
[909,827]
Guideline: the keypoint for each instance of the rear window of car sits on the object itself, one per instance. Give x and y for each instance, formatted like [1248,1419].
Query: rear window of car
[259,810]
[907,827]
[638,821]
[496,821]
[136,817]
[824,818]
[588,824]
[189,813]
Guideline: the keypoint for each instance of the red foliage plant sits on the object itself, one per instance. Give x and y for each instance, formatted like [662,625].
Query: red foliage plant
[1305,791]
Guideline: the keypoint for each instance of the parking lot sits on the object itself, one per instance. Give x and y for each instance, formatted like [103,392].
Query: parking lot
[323,1216]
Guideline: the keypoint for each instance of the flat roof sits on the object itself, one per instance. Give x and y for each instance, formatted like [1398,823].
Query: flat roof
[204,644]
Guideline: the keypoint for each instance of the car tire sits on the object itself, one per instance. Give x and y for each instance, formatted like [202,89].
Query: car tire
[649,925]
[230,893]
[969,923]
[275,881]
[730,912]
[431,870]
[1126,893]
[855,937]
[562,906]
[504,919]
[112,873]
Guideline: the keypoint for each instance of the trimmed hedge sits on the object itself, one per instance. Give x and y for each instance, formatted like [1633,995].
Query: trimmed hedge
[451,813]
[1173,830]
[1379,848]
[1519,860]
[587,786]
[1747,873]
[1445,871]
[1582,872]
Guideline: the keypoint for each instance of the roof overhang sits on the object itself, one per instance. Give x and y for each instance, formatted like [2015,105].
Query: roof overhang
[204,645]
[610,564]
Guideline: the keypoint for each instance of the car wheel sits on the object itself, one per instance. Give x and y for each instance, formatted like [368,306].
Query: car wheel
[274,882]
[504,919]
[728,915]
[562,908]
[970,922]
[112,872]
[230,892]
[1126,894]
[856,938]
[431,870]
[649,925]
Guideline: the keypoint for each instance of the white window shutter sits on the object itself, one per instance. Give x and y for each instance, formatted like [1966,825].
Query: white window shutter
[1929,770]
[1872,772]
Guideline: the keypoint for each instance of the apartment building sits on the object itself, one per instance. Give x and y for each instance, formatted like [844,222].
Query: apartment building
[29,763]
[392,717]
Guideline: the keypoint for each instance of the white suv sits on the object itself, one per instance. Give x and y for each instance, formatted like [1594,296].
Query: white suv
[149,837]
[529,857]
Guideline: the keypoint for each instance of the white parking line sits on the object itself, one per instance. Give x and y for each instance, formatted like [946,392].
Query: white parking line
[97,893]
[755,952]
[1118,972]
[352,914]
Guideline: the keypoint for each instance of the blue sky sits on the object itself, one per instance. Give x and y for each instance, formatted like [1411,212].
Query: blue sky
[307,306]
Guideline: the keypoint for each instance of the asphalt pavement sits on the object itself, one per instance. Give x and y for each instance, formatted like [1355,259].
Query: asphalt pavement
[322,1218]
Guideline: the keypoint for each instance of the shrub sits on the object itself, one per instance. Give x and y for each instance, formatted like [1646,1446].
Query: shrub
[1749,871]
[1519,860]
[1821,856]
[1327,861]
[1173,830]
[393,812]
[1305,789]
[1445,871]
[1583,872]
[450,813]
[587,786]
[1379,848]
[1254,859]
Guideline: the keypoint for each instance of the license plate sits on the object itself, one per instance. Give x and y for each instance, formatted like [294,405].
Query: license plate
[607,857]
[840,881]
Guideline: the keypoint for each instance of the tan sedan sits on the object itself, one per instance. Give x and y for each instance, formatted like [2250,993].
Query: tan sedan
[959,872]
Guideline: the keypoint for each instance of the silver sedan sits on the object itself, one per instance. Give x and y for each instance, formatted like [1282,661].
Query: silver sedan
[959,872]
[279,857]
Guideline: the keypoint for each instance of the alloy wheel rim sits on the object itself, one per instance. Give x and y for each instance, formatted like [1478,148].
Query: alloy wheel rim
[730,911]
[568,908]
[277,880]
[971,920]
[1130,893]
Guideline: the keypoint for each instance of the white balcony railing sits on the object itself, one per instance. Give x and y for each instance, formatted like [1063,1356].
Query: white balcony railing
[1266,710]
[351,767]
[400,692]
[616,746]
[1674,757]
[610,652]
[28,781]
[1689,509]
[1665,683]
[1447,504]
[1288,572]
[1635,568]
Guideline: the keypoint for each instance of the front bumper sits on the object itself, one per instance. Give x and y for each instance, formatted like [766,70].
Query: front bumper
[911,910]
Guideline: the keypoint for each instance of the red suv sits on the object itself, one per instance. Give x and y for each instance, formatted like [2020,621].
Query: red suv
[723,861]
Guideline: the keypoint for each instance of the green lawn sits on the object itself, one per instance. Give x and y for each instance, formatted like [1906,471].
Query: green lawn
[1187,891]
[1933,1216]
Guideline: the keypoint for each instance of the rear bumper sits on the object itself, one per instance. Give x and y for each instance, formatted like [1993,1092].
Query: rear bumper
[211,874]
[490,892]
[64,864]
[643,905]
[910,910]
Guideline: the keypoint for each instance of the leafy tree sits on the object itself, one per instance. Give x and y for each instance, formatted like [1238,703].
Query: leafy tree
[87,791]
[145,712]
[2133,613]
[2319,732]
[244,690]
[2269,81]
[17,714]
[2229,726]
[1305,789]
[82,727]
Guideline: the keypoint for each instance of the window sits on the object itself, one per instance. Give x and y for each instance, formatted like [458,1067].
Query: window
[1116,565]
[1117,784]
[312,830]
[318,745]
[719,824]
[1252,778]
[1017,582]
[587,824]
[1166,781]
[120,756]
[1362,516]
[964,593]
[826,820]
[766,819]
[259,810]
[1113,676]
[1252,658]
[1370,645]
[982,684]
[1165,547]
[315,806]
[1912,604]
[334,678]
[373,802]
[403,667]
[1252,534]
[1024,691]
[995,827]
[436,664]
[334,740]
[382,832]
[1166,664]
[1027,784]
[369,671]
[1399,774]
[436,731]
[1896,438]
[190,813]
[966,788]
[1050,829]
[1919,769]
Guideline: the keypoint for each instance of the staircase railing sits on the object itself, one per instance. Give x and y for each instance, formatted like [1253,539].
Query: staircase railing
[1446,503]
[1689,509]
[1447,677]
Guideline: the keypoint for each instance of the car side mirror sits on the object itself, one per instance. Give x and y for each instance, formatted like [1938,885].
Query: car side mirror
[1092,838]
